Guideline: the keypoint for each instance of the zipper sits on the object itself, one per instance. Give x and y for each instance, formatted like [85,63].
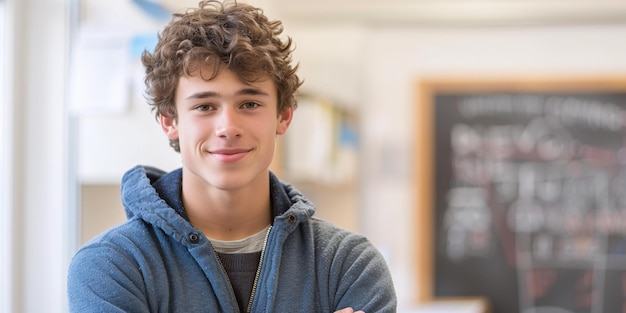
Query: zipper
[258,271]
[230,284]
[256,276]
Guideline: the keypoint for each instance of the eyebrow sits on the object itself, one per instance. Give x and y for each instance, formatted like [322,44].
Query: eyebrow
[242,92]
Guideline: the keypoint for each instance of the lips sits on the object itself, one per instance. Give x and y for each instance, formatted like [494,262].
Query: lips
[230,155]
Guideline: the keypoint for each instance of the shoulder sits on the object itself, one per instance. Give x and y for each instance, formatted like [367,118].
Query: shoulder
[108,271]
[340,244]
[329,232]
[120,244]
[121,255]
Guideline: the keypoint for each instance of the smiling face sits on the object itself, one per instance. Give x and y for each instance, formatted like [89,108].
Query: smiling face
[226,129]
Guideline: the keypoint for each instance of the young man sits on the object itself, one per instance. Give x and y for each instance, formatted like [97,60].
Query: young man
[223,234]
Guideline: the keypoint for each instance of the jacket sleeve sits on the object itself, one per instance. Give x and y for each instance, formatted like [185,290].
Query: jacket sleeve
[364,281]
[103,279]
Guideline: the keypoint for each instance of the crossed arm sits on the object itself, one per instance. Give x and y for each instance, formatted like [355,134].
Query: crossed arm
[348,310]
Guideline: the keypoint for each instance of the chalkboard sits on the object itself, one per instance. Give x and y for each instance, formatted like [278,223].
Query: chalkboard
[522,193]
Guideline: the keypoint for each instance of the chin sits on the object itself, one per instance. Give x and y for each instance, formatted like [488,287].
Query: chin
[229,181]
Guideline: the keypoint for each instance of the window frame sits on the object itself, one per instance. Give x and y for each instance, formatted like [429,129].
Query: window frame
[6,175]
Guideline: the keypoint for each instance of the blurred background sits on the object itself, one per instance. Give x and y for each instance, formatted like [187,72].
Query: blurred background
[73,120]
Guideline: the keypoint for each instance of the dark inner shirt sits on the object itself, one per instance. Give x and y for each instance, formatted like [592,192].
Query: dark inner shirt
[241,269]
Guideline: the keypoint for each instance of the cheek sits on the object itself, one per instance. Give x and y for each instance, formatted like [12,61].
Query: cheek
[271,129]
[264,132]
[193,131]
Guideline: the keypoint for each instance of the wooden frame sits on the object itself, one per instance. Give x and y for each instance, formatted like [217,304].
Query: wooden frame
[427,89]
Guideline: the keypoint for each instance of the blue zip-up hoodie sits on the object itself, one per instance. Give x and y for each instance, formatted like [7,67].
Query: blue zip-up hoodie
[158,262]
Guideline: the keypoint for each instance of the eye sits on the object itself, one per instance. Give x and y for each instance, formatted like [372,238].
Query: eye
[249,105]
[204,107]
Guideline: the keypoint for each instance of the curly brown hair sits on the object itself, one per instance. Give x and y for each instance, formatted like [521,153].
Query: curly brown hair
[231,34]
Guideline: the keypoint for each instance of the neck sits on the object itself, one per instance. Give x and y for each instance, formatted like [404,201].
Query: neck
[227,214]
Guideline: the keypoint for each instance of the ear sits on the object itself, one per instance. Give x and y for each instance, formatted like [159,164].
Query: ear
[284,119]
[168,124]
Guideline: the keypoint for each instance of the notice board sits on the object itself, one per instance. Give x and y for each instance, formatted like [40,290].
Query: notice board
[522,193]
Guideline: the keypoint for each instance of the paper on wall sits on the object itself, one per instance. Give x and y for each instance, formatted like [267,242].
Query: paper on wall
[99,79]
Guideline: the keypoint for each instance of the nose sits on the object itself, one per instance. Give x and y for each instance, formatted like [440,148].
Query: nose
[227,124]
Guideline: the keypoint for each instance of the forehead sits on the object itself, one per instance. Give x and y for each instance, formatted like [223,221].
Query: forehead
[223,83]
[209,71]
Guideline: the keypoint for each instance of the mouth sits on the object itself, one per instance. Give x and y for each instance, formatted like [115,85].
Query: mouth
[229,155]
